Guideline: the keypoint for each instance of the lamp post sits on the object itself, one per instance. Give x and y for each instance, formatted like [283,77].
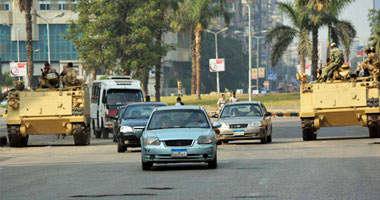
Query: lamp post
[257,58]
[249,51]
[47,29]
[216,54]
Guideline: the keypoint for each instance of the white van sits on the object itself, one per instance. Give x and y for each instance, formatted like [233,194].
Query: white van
[107,96]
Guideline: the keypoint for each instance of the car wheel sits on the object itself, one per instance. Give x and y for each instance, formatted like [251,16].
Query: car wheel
[98,134]
[121,146]
[264,140]
[269,138]
[114,137]
[218,142]
[146,166]
[214,163]
[225,142]
[104,132]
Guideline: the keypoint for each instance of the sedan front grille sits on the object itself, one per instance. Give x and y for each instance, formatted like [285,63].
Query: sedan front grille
[176,143]
[238,125]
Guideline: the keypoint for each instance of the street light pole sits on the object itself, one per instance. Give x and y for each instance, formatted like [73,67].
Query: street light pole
[257,61]
[48,32]
[216,54]
[249,51]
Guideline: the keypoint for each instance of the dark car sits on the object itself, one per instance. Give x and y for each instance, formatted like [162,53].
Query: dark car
[116,122]
[132,123]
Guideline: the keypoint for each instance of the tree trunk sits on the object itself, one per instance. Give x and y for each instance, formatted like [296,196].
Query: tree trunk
[145,81]
[302,62]
[29,43]
[198,40]
[314,56]
[328,42]
[193,62]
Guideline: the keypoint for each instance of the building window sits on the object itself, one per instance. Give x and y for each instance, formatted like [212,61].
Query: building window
[5,6]
[44,5]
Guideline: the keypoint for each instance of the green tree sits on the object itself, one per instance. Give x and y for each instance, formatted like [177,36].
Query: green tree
[374,23]
[282,35]
[110,32]
[26,6]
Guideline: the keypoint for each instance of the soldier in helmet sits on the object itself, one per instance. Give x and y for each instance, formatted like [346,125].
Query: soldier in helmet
[370,64]
[336,60]
[69,76]
[49,77]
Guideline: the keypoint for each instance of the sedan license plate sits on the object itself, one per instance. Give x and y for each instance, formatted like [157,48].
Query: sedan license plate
[178,153]
[238,132]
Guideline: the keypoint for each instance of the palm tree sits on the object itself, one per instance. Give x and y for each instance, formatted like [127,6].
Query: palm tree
[283,35]
[182,22]
[338,30]
[26,5]
[195,16]
[203,11]
[374,38]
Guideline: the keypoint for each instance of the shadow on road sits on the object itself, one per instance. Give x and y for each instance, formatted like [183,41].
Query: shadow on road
[180,166]
[341,138]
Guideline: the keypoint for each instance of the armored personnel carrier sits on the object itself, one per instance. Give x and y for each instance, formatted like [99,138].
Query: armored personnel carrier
[48,111]
[345,102]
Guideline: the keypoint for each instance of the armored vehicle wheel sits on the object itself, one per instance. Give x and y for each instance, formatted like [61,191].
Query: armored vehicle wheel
[121,146]
[308,130]
[373,126]
[15,137]
[81,134]
[104,132]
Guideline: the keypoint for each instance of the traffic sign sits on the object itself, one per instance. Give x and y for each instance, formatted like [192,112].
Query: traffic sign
[18,69]
[217,65]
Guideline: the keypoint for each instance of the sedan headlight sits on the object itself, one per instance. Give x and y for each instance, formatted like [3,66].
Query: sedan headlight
[152,141]
[204,139]
[126,129]
[258,124]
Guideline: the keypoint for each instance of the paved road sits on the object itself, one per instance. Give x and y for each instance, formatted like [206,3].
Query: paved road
[344,164]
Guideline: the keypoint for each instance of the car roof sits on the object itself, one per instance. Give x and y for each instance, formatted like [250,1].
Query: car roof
[179,108]
[244,102]
[147,104]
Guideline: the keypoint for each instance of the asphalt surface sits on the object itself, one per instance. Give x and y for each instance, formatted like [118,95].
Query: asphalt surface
[342,164]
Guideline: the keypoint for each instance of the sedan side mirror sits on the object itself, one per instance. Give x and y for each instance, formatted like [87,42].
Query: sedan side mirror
[216,125]
[215,115]
[268,114]
[104,99]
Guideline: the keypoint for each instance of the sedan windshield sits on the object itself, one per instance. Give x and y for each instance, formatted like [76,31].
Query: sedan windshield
[178,119]
[242,110]
[140,111]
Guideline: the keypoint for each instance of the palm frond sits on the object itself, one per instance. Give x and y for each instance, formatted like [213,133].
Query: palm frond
[290,10]
[280,47]
[278,31]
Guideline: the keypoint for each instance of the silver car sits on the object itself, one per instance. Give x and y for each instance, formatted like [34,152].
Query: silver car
[245,121]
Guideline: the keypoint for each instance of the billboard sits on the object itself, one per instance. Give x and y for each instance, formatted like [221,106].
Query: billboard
[261,72]
[18,69]
[254,74]
[217,65]
[272,76]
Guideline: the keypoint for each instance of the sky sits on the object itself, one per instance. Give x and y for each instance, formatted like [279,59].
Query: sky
[357,13]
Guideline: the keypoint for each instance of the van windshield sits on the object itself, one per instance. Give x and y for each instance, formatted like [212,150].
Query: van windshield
[123,96]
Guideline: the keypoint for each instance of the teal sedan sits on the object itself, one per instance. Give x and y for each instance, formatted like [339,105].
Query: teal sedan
[178,134]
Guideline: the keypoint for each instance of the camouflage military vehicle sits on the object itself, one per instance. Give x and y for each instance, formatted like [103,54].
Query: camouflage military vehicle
[48,111]
[345,102]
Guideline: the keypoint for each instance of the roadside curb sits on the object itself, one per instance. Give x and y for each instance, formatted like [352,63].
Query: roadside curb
[285,114]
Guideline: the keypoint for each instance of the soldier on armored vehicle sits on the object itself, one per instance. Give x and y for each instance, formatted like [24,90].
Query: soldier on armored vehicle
[69,76]
[371,65]
[49,77]
[336,61]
